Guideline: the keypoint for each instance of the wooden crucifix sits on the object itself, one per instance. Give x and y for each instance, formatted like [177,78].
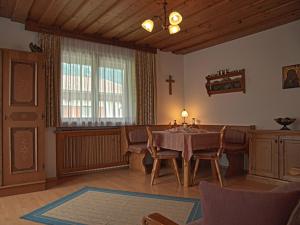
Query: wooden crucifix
[170,81]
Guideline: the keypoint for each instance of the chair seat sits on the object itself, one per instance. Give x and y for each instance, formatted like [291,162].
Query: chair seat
[205,154]
[167,154]
[138,148]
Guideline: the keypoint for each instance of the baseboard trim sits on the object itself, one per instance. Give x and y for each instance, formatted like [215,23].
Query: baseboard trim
[82,172]
[22,188]
[266,180]
[51,182]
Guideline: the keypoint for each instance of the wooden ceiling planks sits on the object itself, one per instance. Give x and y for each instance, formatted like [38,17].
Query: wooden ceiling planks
[7,7]
[205,22]
[53,11]
[283,19]
[253,20]
[21,10]
[214,22]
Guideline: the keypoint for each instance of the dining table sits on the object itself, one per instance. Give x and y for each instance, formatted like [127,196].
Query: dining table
[186,142]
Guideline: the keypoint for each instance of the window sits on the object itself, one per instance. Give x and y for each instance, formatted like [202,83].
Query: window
[97,84]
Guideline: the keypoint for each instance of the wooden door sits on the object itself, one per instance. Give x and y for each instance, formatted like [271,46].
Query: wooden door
[264,156]
[289,155]
[23,120]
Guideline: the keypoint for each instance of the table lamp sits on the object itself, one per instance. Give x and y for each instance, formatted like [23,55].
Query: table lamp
[184,114]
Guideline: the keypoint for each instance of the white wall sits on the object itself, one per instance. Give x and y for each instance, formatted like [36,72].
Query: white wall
[14,36]
[169,107]
[262,55]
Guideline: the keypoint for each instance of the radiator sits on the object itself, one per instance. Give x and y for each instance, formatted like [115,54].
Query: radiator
[84,151]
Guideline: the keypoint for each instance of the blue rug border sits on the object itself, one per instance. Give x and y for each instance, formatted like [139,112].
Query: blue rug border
[37,216]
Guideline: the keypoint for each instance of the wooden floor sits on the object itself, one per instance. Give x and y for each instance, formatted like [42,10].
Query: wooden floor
[13,207]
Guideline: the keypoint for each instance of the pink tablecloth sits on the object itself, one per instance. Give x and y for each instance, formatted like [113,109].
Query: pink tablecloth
[186,142]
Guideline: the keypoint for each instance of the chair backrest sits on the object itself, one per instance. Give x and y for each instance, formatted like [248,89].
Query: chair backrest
[152,149]
[230,136]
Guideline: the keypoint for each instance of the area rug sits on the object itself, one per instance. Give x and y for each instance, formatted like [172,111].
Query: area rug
[98,206]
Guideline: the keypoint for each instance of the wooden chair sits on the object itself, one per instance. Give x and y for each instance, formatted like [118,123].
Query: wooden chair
[233,141]
[161,155]
[211,155]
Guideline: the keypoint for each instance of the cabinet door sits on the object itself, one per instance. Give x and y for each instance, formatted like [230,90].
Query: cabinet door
[23,121]
[289,156]
[264,156]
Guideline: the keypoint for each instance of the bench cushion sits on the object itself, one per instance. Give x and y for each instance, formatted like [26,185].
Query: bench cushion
[138,148]
[138,136]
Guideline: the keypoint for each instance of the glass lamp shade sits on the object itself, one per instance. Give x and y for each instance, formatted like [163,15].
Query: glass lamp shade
[175,18]
[184,114]
[173,29]
[148,25]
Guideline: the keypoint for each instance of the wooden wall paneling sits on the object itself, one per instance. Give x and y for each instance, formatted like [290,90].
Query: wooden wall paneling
[53,11]
[21,10]
[242,32]
[253,21]
[23,138]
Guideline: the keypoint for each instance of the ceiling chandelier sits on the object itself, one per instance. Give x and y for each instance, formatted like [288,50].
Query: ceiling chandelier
[172,25]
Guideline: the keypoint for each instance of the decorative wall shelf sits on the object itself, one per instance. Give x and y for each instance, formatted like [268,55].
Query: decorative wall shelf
[232,81]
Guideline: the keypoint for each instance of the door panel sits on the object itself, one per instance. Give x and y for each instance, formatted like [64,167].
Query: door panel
[289,157]
[266,157]
[23,121]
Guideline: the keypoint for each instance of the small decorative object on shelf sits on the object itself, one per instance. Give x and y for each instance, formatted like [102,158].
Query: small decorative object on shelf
[226,81]
[285,122]
[35,48]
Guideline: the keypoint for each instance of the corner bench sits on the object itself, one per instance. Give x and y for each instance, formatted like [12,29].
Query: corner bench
[134,143]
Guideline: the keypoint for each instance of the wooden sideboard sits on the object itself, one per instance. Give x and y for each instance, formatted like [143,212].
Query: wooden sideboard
[273,154]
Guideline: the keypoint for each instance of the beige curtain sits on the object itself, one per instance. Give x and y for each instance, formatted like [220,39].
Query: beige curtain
[51,48]
[146,87]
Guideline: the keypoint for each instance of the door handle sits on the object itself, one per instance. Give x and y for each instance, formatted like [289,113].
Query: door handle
[43,116]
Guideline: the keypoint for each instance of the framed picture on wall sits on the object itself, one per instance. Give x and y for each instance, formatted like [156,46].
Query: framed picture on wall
[291,76]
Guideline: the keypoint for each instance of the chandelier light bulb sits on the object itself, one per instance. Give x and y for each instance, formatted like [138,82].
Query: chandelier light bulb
[173,29]
[175,18]
[148,25]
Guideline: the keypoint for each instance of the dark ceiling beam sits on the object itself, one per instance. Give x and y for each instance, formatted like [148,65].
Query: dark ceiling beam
[33,26]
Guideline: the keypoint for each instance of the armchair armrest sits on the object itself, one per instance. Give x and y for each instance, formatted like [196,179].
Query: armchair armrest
[157,219]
